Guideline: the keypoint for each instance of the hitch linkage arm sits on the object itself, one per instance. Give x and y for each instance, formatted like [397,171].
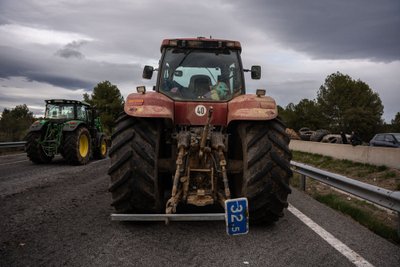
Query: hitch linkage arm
[183,144]
[205,132]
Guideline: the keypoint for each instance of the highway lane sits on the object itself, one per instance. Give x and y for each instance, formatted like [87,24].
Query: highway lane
[17,173]
[12,158]
[57,214]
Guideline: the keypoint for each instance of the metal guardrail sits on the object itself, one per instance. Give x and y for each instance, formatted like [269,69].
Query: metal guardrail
[22,143]
[380,196]
[12,144]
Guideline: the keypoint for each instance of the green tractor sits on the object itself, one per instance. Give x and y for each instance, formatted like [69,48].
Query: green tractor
[70,128]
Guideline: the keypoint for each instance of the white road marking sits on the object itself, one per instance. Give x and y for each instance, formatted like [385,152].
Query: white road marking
[350,254]
[10,155]
[97,161]
[8,163]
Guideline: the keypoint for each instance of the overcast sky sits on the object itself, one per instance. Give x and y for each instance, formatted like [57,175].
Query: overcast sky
[62,49]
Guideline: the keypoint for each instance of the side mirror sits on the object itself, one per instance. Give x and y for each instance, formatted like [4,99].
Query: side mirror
[256,72]
[147,72]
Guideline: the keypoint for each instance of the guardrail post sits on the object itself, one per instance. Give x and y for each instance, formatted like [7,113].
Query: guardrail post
[398,224]
[303,182]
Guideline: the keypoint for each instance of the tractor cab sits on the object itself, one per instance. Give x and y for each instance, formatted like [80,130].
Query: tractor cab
[200,70]
[61,109]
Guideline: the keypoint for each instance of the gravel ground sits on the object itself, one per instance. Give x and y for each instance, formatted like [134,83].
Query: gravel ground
[55,215]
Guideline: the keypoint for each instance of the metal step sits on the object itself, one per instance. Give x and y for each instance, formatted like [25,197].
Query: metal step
[169,217]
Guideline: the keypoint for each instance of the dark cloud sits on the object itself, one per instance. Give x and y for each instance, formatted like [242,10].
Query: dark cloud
[69,53]
[8,98]
[78,74]
[135,28]
[11,64]
[325,29]
[15,62]
[3,21]
[61,81]
[71,50]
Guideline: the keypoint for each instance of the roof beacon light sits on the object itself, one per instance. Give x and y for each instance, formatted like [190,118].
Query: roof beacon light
[260,92]
[141,89]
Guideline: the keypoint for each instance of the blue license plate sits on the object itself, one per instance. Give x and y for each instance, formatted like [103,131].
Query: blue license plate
[237,216]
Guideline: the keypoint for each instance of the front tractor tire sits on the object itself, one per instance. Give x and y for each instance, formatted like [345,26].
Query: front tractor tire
[34,149]
[264,180]
[77,148]
[134,154]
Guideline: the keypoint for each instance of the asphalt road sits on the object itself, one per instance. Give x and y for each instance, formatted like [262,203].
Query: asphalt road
[55,214]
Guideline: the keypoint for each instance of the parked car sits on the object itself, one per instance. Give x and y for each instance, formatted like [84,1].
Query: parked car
[386,139]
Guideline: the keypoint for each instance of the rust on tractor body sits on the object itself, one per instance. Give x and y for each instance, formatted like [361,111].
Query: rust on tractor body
[252,107]
[149,105]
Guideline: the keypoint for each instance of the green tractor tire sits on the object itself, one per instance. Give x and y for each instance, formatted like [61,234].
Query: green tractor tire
[77,148]
[34,149]
[101,150]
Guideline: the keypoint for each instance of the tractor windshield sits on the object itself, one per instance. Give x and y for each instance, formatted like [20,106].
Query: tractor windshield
[201,75]
[59,111]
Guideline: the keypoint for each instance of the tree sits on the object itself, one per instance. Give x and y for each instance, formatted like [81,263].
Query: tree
[347,105]
[396,123]
[108,101]
[15,123]
[287,115]
[304,114]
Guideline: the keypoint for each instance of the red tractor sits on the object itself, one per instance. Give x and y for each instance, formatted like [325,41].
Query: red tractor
[199,139]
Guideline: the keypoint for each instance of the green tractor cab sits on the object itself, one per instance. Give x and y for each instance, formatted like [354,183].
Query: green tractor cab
[70,128]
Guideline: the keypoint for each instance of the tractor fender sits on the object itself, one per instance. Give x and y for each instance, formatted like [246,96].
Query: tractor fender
[252,107]
[72,125]
[37,125]
[149,105]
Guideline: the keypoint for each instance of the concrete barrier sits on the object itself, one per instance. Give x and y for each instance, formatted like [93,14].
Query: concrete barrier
[386,156]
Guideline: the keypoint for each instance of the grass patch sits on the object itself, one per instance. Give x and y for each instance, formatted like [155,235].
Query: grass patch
[359,215]
[329,162]
[390,175]
[387,177]
[295,181]
[377,220]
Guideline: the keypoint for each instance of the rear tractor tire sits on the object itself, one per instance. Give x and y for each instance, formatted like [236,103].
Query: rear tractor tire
[266,172]
[34,150]
[134,154]
[77,148]
[101,150]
